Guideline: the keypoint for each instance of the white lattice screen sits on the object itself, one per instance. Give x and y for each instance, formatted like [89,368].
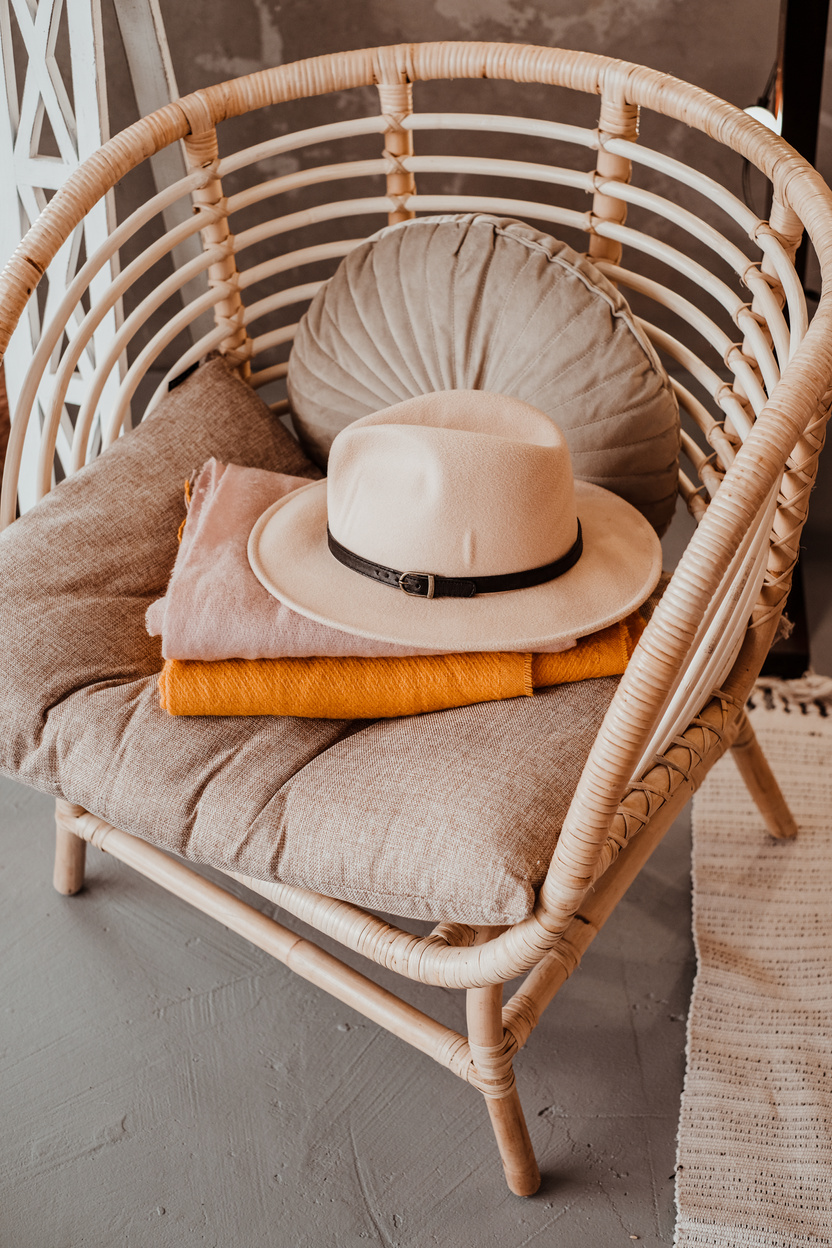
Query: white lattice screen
[53,120]
[56,115]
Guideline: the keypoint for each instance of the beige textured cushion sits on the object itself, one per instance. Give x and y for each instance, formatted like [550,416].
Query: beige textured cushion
[448,815]
[484,303]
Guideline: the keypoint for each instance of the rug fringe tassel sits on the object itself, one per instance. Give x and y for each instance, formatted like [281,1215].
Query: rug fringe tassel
[811,694]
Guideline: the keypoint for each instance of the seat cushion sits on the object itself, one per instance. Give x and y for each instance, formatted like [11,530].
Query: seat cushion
[451,815]
[475,302]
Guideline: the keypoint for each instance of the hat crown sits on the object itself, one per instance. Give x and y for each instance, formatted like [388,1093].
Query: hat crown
[458,483]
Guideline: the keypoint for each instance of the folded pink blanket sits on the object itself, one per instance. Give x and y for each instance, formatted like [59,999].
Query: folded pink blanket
[215,607]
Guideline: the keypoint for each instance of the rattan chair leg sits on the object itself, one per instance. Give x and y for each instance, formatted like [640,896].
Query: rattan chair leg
[512,1136]
[70,851]
[495,1079]
[760,782]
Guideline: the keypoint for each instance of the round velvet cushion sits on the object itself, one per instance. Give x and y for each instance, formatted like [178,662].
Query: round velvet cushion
[475,302]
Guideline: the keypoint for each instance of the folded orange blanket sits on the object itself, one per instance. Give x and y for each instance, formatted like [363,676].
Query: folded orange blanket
[376,688]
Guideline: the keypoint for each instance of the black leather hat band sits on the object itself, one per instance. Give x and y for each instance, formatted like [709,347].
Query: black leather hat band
[430,585]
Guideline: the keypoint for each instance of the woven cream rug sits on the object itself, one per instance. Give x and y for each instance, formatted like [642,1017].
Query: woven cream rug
[755,1133]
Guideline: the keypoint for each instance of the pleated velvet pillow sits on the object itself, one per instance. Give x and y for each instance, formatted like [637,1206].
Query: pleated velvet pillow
[486,303]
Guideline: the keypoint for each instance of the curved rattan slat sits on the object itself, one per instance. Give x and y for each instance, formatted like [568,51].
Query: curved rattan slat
[140,315]
[581,71]
[698,320]
[296,260]
[275,338]
[71,301]
[489,166]
[724,396]
[713,432]
[660,162]
[107,299]
[279,145]
[137,318]
[265,375]
[670,634]
[591,834]
[758,231]
[746,269]
[532,127]
[315,176]
[174,326]
[699,460]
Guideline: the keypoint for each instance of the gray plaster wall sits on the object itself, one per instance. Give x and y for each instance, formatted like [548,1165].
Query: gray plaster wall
[725,47]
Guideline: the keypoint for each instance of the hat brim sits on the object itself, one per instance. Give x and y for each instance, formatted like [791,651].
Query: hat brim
[620,566]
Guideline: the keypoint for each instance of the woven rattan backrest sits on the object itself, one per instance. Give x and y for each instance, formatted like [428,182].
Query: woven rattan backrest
[713,283]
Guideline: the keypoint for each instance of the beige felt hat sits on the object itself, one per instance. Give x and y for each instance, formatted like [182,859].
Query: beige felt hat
[452,522]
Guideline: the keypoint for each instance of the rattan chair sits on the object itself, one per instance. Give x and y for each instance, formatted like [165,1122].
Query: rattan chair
[750,372]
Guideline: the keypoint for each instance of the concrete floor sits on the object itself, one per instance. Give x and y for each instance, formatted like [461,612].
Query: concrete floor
[163,1083]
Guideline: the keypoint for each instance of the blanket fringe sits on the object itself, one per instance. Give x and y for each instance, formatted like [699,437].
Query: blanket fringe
[810,695]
